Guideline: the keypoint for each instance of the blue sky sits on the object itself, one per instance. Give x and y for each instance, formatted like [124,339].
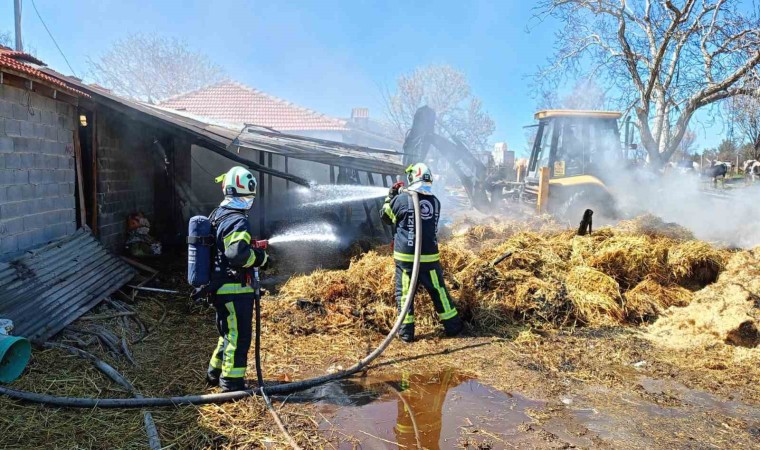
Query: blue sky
[327,55]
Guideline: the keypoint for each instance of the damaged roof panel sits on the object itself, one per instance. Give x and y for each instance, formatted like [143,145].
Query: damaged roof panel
[223,135]
[48,288]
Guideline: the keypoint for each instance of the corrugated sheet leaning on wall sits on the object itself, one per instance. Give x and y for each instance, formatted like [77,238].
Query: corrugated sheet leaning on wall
[48,288]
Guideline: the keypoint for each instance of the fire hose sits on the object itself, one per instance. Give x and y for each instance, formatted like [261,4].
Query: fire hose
[224,397]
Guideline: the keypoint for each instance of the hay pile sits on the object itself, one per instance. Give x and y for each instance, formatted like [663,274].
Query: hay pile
[725,312]
[630,273]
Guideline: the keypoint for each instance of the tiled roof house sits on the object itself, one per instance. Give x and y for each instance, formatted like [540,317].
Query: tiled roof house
[233,102]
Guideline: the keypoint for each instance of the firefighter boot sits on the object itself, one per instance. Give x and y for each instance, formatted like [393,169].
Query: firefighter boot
[232,384]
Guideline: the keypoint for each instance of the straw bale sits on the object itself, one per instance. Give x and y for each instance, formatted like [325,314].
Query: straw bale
[533,252]
[629,259]
[649,299]
[696,263]
[595,297]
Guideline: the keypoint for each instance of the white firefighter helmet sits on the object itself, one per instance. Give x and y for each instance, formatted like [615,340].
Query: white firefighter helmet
[239,187]
[419,177]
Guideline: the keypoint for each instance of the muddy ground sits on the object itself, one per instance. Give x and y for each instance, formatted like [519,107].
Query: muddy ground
[523,388]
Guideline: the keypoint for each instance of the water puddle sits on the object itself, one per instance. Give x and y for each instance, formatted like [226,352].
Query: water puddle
[663,413]
[445,409]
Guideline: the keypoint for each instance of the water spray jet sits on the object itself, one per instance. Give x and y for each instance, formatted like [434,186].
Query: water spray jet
[319,232]
[327,195]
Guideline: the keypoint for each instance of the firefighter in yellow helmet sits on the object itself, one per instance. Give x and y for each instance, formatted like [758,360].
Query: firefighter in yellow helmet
[398,210]
[235,257]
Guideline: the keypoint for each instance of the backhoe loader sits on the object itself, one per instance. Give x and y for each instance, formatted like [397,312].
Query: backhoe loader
[574,158]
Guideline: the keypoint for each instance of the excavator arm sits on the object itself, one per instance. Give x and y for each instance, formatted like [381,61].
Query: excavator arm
[468,168]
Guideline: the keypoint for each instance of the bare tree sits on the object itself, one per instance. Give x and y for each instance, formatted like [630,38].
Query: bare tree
[686,145]
[152,68]
[744,112]
[586,94]
[665,59]
[6,39]
[448,92]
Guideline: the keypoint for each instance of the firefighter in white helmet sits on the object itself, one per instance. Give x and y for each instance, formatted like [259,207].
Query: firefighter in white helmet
[235,256]
[399,211]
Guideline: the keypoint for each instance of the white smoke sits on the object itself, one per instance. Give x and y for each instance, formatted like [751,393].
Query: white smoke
[727,215]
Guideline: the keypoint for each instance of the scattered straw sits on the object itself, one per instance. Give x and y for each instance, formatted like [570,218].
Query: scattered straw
[551,277]
[725,312]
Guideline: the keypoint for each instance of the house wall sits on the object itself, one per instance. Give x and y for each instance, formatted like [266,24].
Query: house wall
[37,201]
[126,172]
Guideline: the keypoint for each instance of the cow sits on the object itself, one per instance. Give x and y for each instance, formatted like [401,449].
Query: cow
[717,169]
[747,166]
[751,169]
[754,171]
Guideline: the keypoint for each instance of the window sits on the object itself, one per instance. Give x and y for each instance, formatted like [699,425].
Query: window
[545,144]
[585,146]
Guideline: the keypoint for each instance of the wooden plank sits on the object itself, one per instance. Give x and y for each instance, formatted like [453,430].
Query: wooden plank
[139,265]
[94,151]
[543,190]
[80,178]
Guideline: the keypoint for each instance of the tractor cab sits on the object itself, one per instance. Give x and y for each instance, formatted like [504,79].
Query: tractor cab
[581,150]
[572,143]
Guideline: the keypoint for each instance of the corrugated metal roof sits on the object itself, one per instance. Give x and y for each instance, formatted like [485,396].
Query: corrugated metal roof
[50,287]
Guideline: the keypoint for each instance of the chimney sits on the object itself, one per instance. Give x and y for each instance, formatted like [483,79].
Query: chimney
[360,116]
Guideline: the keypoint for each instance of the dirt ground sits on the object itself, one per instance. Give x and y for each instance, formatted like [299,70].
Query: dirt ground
[606,388]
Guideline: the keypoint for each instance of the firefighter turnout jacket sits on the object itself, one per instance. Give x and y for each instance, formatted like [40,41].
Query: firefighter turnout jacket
[234,253]
[399,211]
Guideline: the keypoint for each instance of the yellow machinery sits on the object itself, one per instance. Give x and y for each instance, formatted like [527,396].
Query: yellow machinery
[574,155]
[580,152]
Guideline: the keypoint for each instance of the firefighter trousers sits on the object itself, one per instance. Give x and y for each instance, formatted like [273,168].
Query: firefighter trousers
[234,317]
[431,278]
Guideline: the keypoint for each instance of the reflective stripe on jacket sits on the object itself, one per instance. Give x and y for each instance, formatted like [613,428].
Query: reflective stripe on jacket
[400,212]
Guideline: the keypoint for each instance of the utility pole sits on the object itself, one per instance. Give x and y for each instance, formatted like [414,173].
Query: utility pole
[17,12]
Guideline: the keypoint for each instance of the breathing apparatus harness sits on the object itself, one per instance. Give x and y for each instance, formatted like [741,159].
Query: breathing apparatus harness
[202,256]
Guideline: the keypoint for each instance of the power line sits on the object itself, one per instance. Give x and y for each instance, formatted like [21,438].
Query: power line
[34,5]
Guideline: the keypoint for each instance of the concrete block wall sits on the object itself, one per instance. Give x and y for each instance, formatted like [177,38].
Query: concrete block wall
[126,176]
[37,200]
